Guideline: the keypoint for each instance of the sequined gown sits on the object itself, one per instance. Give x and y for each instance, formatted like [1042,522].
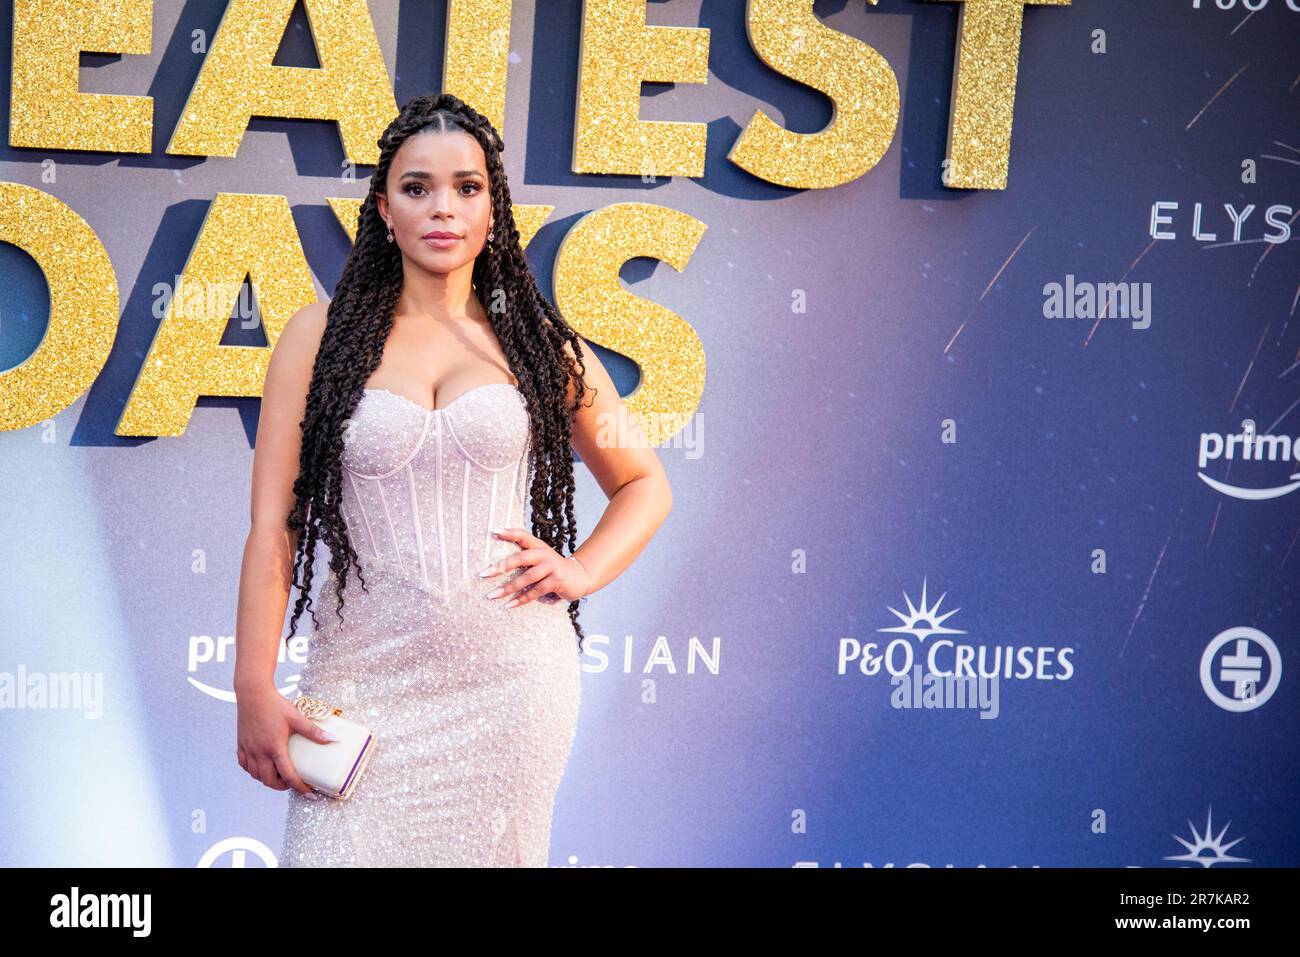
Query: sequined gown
[474,705]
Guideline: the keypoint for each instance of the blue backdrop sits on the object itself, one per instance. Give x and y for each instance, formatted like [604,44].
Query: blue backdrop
[919,464]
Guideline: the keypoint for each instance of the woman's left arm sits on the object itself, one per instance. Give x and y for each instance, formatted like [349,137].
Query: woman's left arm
[613,446]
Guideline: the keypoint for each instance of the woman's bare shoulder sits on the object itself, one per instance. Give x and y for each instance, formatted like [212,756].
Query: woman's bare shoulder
[294,353]
[307,324]
[302,334]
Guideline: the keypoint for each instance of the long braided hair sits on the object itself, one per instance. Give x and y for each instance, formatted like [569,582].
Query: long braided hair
[360,316]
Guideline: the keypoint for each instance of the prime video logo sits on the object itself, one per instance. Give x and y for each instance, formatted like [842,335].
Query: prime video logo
[204,650]
[1249,447]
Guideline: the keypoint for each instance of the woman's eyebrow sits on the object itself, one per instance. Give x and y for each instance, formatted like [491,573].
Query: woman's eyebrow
[421,174]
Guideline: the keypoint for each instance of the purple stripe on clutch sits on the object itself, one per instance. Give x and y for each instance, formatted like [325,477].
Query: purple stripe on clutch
[360,754]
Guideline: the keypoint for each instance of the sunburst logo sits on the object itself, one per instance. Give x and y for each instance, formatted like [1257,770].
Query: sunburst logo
[1205,850]
[912,622]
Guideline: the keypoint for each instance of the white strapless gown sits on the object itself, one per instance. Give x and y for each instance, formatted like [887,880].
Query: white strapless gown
[473,705]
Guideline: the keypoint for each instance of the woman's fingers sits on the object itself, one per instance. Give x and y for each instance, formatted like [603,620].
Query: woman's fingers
[516,560]
[289,774]
[530,548]
[272,766]
[508,590]
[536,592]
[267,774]
[308,728]
[541,581]
[520,536]
[261,768]
[522,559]
[276,771]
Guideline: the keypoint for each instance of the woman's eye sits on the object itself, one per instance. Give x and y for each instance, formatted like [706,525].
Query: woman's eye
[473,187]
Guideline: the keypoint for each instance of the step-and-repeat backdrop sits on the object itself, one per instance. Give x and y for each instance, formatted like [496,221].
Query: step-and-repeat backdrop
[967,333]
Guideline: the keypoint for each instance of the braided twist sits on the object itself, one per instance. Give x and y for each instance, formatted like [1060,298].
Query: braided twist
[530,330]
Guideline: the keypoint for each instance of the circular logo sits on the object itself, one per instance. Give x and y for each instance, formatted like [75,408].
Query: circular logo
[1241,666]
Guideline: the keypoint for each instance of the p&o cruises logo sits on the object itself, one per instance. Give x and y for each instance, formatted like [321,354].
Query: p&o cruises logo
[927,630]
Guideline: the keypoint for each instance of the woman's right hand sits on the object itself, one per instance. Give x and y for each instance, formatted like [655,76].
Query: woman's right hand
[266,719]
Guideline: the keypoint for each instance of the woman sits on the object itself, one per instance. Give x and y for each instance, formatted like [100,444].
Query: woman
[407,425]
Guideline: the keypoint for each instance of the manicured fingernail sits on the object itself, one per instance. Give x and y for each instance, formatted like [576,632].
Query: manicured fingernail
[487,571]
[496,593]
[512,602]
[312,796]
[327,736]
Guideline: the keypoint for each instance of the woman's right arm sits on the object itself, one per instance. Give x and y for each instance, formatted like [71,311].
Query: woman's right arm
[266,717]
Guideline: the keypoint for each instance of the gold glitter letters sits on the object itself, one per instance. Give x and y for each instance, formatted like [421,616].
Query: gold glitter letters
[242,236]
[862,85]
[984,91]
[83,306]
[619,53]
[239,80]
[477,56]
[46,108]
[591,298]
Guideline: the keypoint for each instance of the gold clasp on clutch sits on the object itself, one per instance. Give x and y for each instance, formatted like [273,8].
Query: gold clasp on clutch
[315,707]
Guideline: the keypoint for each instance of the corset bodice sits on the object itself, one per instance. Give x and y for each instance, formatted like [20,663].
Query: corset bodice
[424,488]
[473,704]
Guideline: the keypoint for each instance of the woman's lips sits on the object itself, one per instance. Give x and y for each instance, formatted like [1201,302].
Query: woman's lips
[441,242]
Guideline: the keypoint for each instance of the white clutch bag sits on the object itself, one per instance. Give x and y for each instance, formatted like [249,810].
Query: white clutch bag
[333,768]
